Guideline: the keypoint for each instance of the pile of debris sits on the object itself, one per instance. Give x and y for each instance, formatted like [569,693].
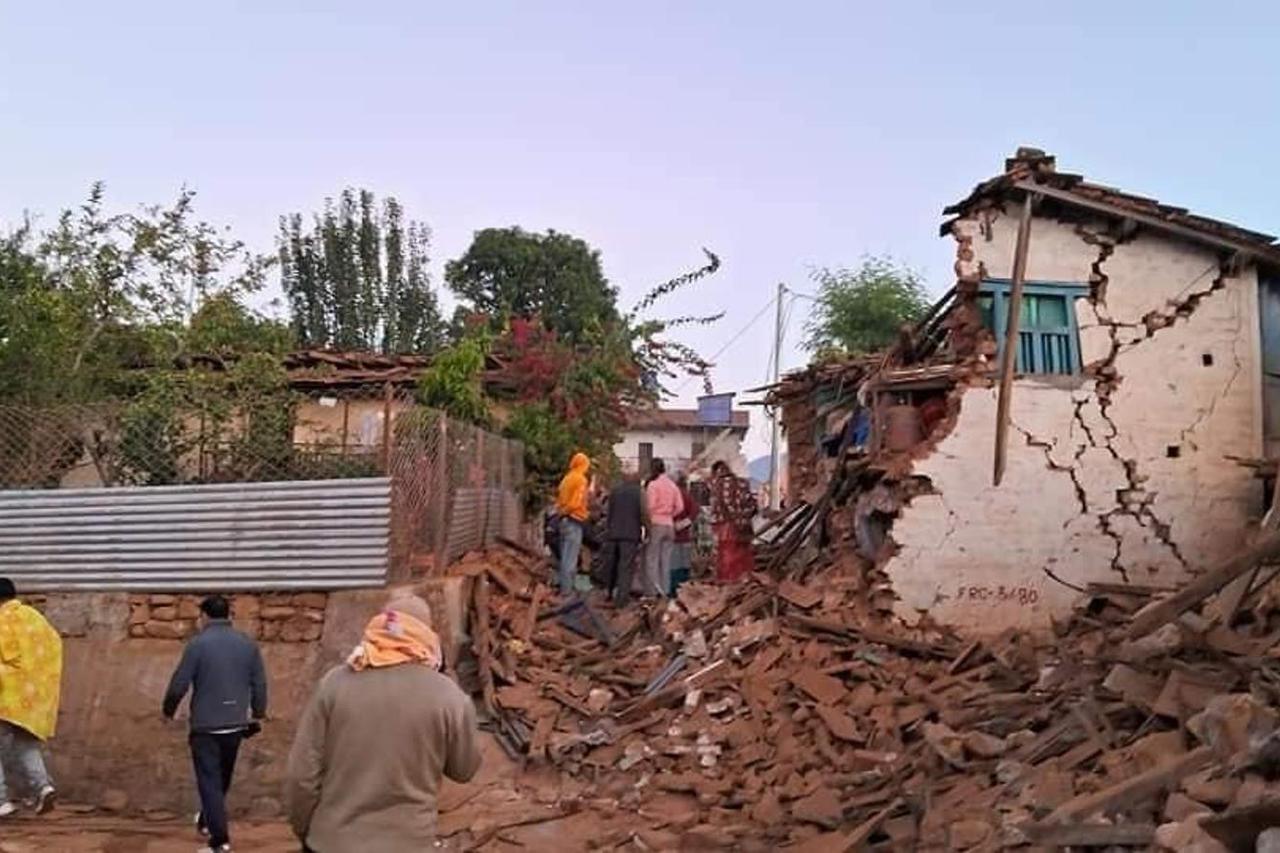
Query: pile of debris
[781,712]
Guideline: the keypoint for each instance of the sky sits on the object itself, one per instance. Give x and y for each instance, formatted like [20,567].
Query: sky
[783,137]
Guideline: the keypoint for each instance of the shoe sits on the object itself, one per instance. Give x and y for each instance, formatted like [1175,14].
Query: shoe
[225,848]
[7,808]
[47,799]
[198,820]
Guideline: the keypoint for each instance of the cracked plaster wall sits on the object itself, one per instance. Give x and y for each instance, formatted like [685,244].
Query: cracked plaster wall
[1091,492]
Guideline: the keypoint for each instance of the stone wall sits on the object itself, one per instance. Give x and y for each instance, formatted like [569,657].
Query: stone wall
[273,617]
[1123,474]
[114,749]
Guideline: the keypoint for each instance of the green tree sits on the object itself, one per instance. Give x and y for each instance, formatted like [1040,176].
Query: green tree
[860,311]
[357,277]
[558,395]
[102,294]
[223,325]
[512,273]
[454,383]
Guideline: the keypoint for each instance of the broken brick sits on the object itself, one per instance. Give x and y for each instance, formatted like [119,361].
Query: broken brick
[821,687]
[840,724]
[821,807]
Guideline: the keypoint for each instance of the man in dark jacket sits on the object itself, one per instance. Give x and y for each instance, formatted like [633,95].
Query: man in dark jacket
[624,528]
[223,669]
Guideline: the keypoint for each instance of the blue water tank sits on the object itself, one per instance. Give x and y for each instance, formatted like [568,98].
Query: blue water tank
[715,410]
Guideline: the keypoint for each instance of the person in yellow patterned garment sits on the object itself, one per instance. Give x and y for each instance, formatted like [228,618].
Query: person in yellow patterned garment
[30,684]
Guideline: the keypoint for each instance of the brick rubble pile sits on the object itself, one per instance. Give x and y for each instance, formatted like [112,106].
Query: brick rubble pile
[789,714]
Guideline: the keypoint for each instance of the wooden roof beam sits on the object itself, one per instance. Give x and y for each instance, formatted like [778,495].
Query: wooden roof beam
[1269,254]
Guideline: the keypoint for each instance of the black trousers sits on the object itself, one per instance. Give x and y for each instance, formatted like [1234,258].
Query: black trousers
[619,566]
[214,758]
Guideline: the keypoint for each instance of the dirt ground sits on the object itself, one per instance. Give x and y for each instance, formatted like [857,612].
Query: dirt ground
[67,831]
[471,817]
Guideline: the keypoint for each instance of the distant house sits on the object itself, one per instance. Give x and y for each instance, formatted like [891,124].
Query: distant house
[343,406]
[679,437]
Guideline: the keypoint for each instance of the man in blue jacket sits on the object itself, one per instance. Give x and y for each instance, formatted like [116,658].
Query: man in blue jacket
[223,669]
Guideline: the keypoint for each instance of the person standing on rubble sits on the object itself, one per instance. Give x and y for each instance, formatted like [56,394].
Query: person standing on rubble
[223,669]
[685,522]
[377,737]
[733,508]
[626,521]
[30,686]
[663,499]
[573,504]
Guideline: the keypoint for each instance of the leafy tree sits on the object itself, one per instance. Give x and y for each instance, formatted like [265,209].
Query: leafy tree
[454,383]
[107,305]
[862,310]
[223,325]
[557,393]
[357,278]
[104,293]
[512,273]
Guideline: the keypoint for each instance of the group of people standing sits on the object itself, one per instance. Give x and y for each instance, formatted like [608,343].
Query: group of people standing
[651,525]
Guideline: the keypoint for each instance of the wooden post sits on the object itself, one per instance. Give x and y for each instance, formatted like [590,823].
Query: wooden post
[1134,789]
[346,424]
[1163,611]
[1009,358]
[483,641]
[484,489]
[387,396]
[440,464]
[1230,599]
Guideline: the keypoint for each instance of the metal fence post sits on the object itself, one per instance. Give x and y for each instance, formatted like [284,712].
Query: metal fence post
[441,498]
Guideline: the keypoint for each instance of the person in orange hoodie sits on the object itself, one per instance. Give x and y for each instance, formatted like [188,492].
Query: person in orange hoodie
[572,504]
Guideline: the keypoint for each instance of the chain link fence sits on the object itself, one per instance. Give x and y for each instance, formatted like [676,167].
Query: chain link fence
[468,481]
[455,487]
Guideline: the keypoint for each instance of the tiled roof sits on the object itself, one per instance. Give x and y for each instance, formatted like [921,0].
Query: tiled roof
[317,369]
[1034,170]
[658,419]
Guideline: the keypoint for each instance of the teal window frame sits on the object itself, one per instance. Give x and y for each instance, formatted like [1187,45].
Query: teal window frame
[1053,350]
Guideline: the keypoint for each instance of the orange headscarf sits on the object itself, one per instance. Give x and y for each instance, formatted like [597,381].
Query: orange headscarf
[394,637]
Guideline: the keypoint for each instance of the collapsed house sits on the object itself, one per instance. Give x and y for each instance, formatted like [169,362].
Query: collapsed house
[1145,393]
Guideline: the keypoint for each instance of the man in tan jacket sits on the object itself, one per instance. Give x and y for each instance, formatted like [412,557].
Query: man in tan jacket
[375,740]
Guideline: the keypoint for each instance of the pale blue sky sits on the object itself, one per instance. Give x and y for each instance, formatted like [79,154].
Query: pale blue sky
[780,135]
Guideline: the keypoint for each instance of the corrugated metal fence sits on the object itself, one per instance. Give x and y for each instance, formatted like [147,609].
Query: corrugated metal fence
[479,516]
[315,534]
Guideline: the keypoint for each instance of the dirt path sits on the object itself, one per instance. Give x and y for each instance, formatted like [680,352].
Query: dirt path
[67,831]
[501,809]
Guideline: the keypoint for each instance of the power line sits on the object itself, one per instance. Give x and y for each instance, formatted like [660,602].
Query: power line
[733,340]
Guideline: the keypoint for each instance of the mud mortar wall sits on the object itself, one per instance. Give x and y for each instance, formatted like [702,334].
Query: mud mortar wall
[113,749]
[1118,475]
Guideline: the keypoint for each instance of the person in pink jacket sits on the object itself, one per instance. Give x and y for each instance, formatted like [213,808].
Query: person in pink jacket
[664,501]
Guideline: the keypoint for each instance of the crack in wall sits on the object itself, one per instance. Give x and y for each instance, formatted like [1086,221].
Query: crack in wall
[1185,306]
[1054,465]
[1103,520]
[1117,540]
[1133,499]
[1185,435]
[1124,492]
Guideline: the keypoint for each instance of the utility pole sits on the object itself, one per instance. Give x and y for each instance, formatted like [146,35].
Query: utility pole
[775,497]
